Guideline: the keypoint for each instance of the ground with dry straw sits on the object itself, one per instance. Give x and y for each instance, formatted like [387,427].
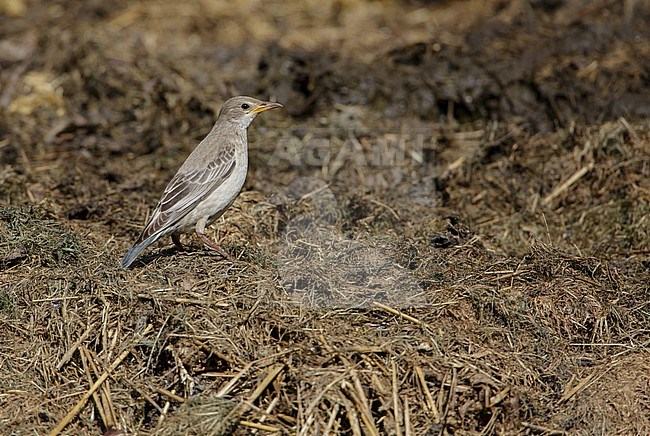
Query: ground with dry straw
[445,232]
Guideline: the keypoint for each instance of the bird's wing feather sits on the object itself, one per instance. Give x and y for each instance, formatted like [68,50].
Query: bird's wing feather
[186,190]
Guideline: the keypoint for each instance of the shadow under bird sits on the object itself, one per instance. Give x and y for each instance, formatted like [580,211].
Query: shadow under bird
[208,181]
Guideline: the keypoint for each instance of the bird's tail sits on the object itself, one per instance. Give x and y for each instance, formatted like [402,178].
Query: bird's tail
[137,248]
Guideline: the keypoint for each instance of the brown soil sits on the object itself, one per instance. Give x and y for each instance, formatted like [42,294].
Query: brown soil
[447,231]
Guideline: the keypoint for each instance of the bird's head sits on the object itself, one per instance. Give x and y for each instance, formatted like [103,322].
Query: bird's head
[243,110]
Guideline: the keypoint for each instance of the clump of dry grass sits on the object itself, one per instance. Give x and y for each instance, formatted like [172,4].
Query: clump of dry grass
[213,416]
[34,235]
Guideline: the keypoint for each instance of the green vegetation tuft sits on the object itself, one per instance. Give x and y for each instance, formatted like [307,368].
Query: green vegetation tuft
[32,234]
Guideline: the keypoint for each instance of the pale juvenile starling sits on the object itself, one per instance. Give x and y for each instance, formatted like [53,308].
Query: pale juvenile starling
[208,181]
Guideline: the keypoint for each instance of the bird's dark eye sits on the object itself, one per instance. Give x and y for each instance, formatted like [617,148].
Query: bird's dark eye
[245,106]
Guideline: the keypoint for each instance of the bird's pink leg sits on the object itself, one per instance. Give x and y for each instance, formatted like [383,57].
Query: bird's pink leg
[199,229]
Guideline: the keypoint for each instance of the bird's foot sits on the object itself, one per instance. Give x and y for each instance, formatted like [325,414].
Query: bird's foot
[216,247]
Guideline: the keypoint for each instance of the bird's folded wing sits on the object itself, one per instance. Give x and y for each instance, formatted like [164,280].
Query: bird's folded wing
[186,190]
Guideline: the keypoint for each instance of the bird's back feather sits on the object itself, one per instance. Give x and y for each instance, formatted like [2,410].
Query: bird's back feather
[183,193]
